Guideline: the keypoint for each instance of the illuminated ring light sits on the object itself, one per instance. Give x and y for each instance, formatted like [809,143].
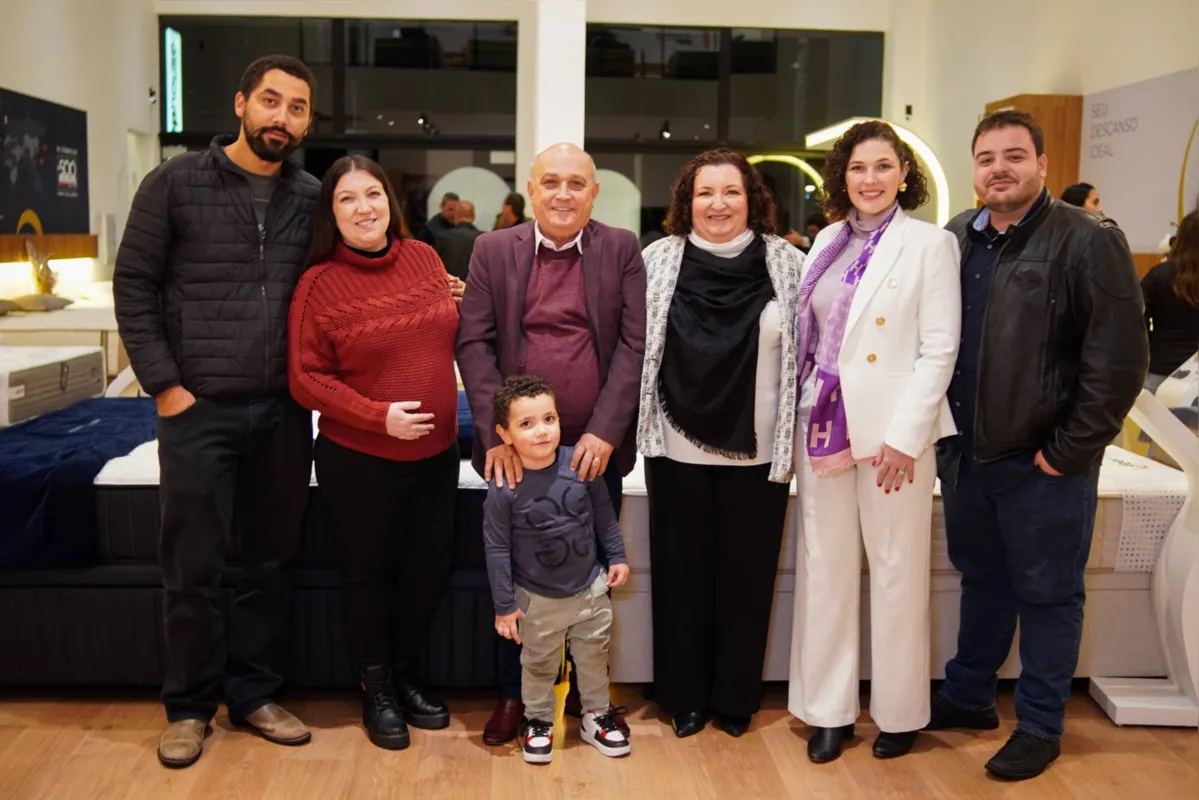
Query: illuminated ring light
[1182,179]
[798,163]
[29,217]
[940,182]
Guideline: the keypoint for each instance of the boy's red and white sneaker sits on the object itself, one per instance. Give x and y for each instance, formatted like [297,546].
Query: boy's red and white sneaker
[537,741]
[602,731]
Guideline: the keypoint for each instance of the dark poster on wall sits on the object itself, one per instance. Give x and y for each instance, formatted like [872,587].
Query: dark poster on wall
[43,166]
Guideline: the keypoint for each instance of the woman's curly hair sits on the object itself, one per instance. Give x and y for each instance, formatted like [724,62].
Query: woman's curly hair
[762,218]
[837,203]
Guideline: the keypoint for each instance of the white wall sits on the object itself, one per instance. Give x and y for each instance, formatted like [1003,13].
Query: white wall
[949,58]
[100,56]
[813,14]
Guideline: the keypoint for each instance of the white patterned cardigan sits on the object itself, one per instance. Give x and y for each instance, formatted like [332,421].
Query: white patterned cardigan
[663,259]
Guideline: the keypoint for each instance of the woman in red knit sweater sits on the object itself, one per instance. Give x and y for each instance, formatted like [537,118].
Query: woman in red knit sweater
[371,334]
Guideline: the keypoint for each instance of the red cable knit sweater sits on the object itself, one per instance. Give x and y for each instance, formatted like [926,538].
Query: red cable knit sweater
[368,332]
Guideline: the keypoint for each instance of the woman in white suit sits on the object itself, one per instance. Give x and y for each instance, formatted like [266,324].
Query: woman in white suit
[879,319]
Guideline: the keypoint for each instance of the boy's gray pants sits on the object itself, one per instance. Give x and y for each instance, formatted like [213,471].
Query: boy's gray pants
[586,620]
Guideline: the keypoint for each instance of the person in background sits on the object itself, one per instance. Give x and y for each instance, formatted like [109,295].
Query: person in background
[214,246]
[1053,355]
[879,321]
[512,212]
[717,421]
[814,224]
[1084,196]
[563,298]
[1171,291]
[456,245]
[442,221]
[541,538]
[371,331]
[792,236]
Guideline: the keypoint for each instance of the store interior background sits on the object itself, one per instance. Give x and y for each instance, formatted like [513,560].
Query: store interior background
[929,65]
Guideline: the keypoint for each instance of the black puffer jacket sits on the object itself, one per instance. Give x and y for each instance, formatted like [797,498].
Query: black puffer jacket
[1064,350]
[201,298]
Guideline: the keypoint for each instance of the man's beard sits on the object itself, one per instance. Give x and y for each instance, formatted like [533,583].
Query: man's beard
[1011,202]
[269,150]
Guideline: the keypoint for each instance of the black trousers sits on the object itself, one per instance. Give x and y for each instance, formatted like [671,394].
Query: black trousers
[507,651]
[222,460]
[715,534]
[392,524]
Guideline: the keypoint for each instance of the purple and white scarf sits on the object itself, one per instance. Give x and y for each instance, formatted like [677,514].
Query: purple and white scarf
[827,435]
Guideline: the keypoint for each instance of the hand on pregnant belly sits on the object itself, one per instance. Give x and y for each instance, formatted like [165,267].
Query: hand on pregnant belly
[402,423]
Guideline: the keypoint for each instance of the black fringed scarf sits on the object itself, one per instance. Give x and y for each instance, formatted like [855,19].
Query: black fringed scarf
[708,378]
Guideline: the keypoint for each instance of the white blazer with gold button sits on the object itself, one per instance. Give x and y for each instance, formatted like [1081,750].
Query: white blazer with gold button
[901,338]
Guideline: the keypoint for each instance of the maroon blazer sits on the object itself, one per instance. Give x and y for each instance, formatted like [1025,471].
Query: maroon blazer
[491,335]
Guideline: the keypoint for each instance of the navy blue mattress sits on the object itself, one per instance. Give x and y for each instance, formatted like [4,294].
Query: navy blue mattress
[47,465]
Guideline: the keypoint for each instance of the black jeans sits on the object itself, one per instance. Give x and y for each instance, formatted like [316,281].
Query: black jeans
[715,533]
[220,460]
[507,651]
[392,523]
[1021,540]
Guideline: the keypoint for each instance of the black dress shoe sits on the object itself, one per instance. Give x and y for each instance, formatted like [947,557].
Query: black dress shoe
[381,715]
[946,715]
[689,723]
[421,709]
[825,744]
[894,745]
[732,725]
[1023,757]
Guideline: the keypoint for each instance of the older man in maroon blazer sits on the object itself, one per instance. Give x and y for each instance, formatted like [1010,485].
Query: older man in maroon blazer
[562,297]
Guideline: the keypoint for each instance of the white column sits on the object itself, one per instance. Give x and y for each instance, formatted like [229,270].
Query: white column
[551,74]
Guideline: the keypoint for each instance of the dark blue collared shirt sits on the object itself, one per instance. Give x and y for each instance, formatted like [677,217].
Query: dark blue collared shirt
[978,270]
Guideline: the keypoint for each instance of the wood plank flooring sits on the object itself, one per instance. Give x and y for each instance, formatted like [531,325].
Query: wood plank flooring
[104,750]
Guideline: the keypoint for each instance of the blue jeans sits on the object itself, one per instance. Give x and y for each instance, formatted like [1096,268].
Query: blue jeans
[1021,539]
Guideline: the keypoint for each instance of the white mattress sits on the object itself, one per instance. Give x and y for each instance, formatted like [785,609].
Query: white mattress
[1154,491]
[1138,499]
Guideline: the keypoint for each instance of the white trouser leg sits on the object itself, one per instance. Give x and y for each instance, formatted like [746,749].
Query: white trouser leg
[825,632]
[896,530]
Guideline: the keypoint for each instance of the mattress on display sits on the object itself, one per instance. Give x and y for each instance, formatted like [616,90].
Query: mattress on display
[47,469]
[37,380]
[1138,499]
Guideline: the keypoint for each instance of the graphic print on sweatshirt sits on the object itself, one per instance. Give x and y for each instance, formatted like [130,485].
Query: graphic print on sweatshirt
[562,523]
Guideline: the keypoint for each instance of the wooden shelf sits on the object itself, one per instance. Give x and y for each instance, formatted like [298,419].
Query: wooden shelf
[77,245]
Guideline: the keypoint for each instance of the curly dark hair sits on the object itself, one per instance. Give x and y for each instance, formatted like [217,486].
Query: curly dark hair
[762,218]
[515,388]
[836,197]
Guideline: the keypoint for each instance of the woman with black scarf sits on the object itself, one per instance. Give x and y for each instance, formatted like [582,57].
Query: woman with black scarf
[718,394]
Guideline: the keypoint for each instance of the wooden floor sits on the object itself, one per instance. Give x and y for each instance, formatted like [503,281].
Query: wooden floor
[80,749]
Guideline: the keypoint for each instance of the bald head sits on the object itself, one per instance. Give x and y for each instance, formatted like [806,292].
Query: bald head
[559,155]
[562,189]
[465,212]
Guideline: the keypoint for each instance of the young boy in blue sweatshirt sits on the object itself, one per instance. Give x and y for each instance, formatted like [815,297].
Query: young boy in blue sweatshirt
[546,580]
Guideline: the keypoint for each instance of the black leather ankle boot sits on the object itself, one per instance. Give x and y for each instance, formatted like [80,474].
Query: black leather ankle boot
[381,715]
[825,744]
[421,709]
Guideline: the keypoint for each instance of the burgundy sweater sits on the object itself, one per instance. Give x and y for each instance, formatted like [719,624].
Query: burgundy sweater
[368,332]
[559,346]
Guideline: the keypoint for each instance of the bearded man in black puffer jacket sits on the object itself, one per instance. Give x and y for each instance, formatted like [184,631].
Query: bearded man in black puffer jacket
[212,251]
